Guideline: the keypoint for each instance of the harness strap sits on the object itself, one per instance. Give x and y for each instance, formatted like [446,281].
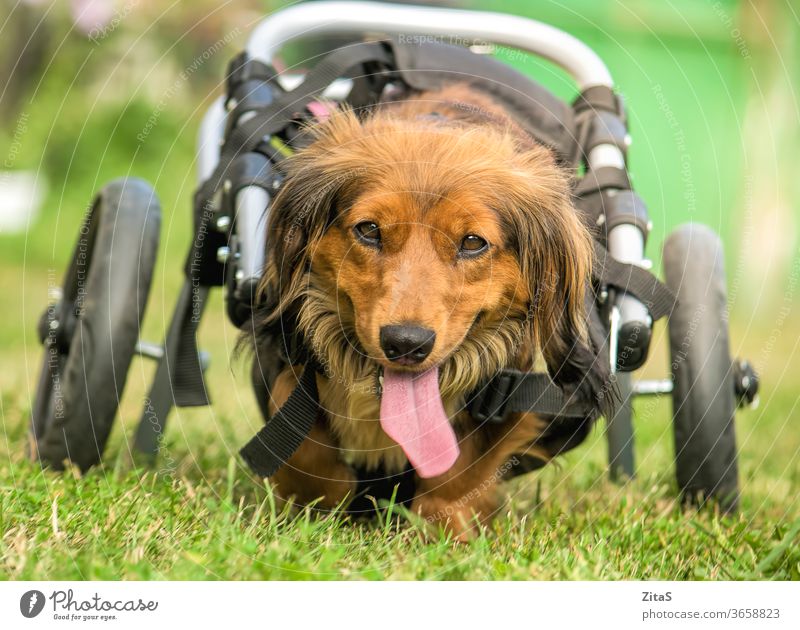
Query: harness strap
[637,281]
[273,445]
[513,391]
[510,391]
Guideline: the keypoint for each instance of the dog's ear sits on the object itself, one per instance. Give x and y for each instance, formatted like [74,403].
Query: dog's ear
[560,285]
[317,179]
[555,255]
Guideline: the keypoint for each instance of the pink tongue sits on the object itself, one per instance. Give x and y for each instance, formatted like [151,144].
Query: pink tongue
[413,416]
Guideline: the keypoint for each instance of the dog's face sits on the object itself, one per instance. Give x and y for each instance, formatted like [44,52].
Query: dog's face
[410,244]
[416,272]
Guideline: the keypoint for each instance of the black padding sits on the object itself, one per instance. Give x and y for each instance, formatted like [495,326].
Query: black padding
[633,344]
[601,179]
[430,65]
[604,128]
[250,84]
[599,98]
[250,169]
[625,207]
[242,69]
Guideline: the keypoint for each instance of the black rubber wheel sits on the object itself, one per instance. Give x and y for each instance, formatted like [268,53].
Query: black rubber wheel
[703,395]
[90,334]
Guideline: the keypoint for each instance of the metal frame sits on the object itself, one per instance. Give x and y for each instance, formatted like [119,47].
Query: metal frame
[318,19]
[347,18]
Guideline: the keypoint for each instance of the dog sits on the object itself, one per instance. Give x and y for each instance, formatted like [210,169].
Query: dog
[418,249]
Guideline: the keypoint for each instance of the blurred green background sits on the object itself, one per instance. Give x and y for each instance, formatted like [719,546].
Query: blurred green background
[711,86]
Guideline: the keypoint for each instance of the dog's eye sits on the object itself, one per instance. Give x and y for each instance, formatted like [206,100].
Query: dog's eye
[368,233]
[471,245]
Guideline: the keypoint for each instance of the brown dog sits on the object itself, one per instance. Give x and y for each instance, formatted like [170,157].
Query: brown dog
[419,251]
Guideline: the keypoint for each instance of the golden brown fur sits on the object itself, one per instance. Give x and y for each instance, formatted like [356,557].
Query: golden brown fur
[428,170]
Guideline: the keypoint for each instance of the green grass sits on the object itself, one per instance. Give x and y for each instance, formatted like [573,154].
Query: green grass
[218,525]
[200,515]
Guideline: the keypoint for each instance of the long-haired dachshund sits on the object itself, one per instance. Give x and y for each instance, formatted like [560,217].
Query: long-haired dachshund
[419,250]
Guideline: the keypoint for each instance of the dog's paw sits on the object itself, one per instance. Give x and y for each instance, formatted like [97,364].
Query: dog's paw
[458,518]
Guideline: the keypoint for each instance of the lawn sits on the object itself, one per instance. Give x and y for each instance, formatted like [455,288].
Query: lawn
[199,514]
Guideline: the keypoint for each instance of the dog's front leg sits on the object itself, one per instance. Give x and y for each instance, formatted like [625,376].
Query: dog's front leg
[467,495]
[314,472]
[463,497]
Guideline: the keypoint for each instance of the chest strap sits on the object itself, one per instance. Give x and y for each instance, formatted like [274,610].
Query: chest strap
[510,391]
[283,434]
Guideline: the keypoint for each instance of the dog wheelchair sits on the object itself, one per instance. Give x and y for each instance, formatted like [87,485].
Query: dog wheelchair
[91,332]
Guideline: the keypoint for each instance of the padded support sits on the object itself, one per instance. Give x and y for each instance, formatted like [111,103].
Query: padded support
[250,86]
[626,207]
[602,179]
[635,280]
[429,65]
[605,128]
[600,98]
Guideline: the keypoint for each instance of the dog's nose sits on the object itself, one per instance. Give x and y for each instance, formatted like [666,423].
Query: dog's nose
[407,345]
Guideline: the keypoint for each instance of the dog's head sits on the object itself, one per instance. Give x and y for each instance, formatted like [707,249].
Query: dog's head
[408,244]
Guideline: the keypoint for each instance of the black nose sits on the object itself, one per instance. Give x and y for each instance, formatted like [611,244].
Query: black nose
[407,345]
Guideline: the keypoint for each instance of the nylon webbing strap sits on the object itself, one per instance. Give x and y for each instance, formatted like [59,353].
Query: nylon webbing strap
[602,178]
[635,280]
[274,117]
[537,393]
[513,391]
[273,445]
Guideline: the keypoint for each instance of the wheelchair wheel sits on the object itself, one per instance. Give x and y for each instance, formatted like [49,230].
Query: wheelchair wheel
[703,395]
[90,333]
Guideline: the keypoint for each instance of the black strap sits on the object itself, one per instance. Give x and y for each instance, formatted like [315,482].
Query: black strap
[602,178]
[510,391]
[242,68]
[513,391]
[599,97]
[273,445]
[639,282]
